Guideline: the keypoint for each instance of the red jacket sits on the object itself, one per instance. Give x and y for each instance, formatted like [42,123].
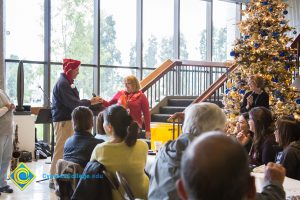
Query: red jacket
[137,103]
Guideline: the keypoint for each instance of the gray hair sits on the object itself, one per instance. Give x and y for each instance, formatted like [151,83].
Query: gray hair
[202,117]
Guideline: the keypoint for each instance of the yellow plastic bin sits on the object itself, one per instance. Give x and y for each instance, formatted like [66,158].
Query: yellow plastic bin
[161,133]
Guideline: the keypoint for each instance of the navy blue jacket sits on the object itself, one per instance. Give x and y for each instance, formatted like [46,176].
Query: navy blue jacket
[96,186]
[65,99]
[79,147]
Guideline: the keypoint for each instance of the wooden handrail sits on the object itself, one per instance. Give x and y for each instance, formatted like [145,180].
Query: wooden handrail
[202,63]
[216,85]
[294,44]
[165,67]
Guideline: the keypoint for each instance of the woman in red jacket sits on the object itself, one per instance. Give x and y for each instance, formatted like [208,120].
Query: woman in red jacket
[134,101]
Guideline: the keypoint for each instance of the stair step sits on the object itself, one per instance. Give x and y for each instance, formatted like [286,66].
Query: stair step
[180,102]
[171,109]
[160,117]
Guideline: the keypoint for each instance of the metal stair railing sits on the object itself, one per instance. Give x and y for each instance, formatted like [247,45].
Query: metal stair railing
[181,78]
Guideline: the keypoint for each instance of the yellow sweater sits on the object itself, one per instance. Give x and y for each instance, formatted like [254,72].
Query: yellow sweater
[130,161]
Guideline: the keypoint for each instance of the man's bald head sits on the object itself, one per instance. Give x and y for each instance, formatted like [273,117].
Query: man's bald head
[215,167]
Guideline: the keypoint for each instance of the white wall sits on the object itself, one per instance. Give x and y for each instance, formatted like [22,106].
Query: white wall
[294,15]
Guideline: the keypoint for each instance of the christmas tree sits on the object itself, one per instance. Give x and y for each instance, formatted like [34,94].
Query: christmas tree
[263,49]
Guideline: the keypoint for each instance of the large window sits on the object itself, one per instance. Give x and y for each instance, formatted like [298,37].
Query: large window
[73,34]
[72,30]
[83,82]
[11,80]
[111,80]
[118,32]
[158,20]
[224,29]
[24,30]
[193,45]
[33,95]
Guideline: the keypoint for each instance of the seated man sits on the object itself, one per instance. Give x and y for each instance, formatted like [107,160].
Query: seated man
[79,147]
[199,118]
[222,172]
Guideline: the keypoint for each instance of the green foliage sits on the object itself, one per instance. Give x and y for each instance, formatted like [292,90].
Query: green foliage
[202,45]
[109,54]
[76,40]
[219,44]
[132,56]
[150,59]
[167,49]
[183,48]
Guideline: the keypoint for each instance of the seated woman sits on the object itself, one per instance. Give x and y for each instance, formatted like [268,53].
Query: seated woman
[243,133]
[123,153]
[134,101]
[100,129]
[79,147]
[287,135]
[256,96]
[261,124]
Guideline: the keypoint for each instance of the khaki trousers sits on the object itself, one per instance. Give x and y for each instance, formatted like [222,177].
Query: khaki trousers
[63,130]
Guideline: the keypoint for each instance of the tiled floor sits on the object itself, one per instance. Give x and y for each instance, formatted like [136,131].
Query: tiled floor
[34,191]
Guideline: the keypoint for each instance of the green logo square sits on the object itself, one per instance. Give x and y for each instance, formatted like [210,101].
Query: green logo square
[22,176]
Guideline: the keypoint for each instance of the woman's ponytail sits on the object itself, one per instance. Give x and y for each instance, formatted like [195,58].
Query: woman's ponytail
[132,133]
[124,127]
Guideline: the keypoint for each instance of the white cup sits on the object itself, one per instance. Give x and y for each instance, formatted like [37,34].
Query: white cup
[157,145]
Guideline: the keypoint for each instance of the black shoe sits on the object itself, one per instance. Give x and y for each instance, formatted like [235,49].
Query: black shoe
[6,189]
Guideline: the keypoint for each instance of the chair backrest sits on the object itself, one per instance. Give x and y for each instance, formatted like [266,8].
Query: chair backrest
[64,183]
[113,183]
[123,183]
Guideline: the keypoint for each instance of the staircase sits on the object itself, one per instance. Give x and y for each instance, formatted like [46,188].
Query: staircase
[173,105]
[170,106]
[174,85]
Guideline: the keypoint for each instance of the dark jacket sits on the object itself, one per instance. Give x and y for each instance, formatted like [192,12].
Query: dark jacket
[79,147]
[65,99]
[166,169]
[93,185]
[258,100]
[271,191]
[266,152]
[290,159]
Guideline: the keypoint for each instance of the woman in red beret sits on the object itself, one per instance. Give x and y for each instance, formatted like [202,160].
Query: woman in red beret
[65,98]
